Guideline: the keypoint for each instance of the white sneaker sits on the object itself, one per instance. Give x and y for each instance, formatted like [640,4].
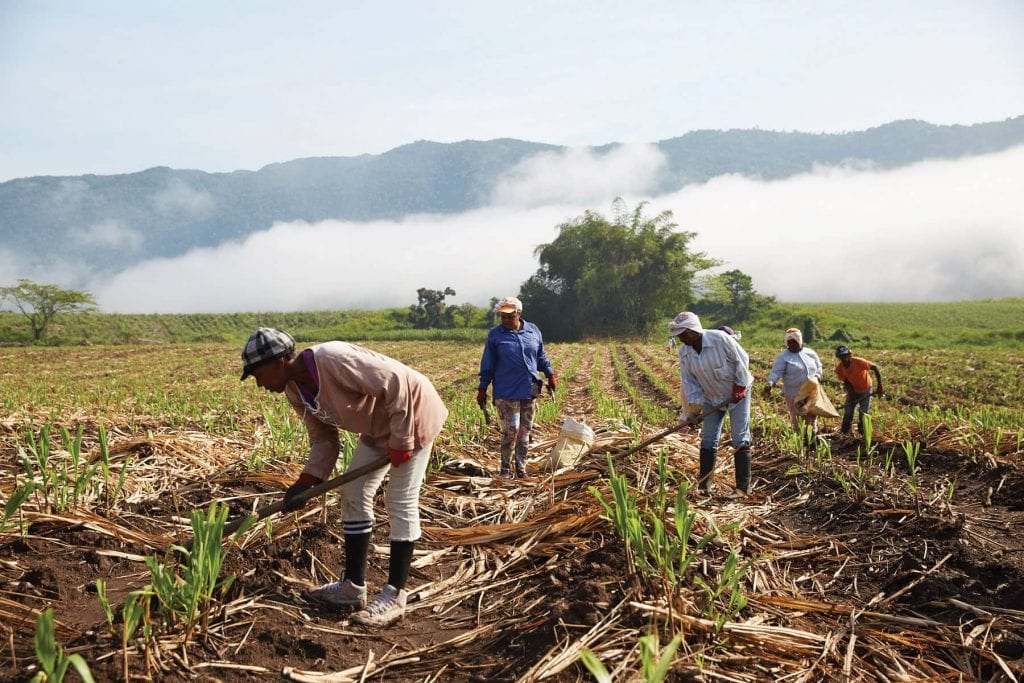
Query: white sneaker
[385,609]
[342,594]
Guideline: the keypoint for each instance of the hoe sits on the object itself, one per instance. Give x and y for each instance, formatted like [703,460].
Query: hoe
[317,490]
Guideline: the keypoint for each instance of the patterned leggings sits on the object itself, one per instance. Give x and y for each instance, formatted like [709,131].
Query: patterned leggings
[516,416]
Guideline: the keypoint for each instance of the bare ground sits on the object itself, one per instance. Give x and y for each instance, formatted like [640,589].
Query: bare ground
[861,581]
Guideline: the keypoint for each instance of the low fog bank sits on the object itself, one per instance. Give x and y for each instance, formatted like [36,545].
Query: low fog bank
[342,265]
[937,230]
[934,231]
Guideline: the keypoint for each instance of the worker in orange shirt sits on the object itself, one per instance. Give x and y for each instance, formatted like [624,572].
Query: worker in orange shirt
[854,373]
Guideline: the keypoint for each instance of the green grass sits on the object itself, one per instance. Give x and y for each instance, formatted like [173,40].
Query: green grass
[987,323]
[984,323]
[305,326]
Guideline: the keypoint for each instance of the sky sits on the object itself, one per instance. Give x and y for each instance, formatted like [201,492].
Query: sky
[110,87]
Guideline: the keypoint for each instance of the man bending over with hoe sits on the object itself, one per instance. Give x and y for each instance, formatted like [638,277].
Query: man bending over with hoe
[397,413]
[715,373]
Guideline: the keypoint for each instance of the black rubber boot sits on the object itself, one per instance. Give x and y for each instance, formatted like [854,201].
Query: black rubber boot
[506,462]
[707,469]
[742,459]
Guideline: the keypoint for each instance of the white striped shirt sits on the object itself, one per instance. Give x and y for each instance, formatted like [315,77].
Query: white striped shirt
[708,376]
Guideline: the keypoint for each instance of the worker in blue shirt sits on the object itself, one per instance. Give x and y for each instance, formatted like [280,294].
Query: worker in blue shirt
[513,356]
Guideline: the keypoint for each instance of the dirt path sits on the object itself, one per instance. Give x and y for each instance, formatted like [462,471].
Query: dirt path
[643,383]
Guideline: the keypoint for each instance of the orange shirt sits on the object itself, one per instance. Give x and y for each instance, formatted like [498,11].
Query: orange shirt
[858,374]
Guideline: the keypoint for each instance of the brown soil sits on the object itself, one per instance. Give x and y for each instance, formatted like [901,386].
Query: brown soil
[514,577]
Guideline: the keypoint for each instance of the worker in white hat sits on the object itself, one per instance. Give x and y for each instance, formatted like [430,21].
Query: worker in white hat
[715,372]
[794,366]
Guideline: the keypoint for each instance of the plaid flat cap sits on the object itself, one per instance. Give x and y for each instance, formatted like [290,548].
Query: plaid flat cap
[264,345]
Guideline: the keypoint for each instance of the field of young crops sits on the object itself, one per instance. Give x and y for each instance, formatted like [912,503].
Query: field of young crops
[986,323]
[899,557]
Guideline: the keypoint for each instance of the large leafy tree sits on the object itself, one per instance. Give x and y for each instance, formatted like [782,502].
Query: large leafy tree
[730,297]
[42,303]
[430,309]
[617,277]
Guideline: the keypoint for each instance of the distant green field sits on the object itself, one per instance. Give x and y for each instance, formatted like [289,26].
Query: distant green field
[993,323]
[987,323]
[109,328]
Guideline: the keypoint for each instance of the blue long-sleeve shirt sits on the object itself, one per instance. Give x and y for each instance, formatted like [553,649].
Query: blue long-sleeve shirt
[511,359]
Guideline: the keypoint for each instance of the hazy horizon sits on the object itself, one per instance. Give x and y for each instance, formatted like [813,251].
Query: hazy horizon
[932,231]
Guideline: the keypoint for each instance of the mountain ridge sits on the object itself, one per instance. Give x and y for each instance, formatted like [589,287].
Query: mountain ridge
[112,221]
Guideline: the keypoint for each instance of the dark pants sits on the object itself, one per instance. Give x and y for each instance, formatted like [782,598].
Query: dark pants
[853,400]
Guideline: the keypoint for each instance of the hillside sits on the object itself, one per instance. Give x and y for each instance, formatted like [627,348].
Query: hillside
[110,222]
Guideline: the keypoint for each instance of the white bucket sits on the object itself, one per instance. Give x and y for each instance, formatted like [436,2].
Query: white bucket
[574,441]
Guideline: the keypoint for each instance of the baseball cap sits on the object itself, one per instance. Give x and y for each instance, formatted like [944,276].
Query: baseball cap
[509,304]
[264,345]
[842,351]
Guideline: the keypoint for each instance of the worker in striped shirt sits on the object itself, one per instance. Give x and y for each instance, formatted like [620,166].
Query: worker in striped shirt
[715,373]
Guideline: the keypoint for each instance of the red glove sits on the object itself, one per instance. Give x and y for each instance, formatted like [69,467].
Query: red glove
[398,457]
[552,383]
[739,392]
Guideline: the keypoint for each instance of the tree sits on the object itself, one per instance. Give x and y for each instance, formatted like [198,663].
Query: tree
[730,298]
[431,310]
[492,315]
[42,303]
[467,312]
[617,277]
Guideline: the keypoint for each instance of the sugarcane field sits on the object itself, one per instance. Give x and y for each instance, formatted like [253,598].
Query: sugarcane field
[892,555]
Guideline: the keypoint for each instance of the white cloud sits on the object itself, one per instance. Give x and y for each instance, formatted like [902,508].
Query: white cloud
[178,197]
[9,269]
[68,274]
[335,264]
[938,230]
[110,233]
[68,196]
[579,176]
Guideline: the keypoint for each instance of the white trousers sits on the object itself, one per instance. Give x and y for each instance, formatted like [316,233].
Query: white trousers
[402,495]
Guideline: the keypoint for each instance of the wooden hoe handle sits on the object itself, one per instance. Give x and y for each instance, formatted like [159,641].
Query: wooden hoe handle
[312,492]
[674,428]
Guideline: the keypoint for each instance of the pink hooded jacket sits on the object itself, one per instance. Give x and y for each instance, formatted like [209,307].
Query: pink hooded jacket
[387,403]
